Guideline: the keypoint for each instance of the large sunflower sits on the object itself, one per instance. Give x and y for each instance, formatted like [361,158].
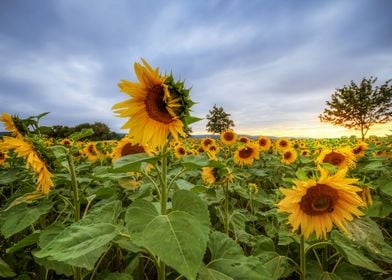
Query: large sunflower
[283,144]
[341,158]
[228,137]
[157,108]
[246,154]
[33,160]
[317,205]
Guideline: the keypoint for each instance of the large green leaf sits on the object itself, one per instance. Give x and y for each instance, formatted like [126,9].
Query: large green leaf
[347,271]
[5,270]
[179,238]
[348,248]
[77,241]
[229,262]
[20,217]
[27,241]
[328,276]
[132,162]
[192,204]
[279,266]
[103,212]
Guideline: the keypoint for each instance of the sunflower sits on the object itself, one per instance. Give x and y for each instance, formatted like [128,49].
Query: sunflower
[157,108]
[90,150]
[206,142]
[3,157]
[10,126]
[244,139]
[359,149]
[283,144]
[341,158]
[66,142]
[125,147]
[289,156]
[264,143]
[215,175]
[305,153]
[33,160]
[316,205]
[179,151]
[246,154]
[228,137]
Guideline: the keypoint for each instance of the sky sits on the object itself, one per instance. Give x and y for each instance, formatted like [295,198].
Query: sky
[271,65]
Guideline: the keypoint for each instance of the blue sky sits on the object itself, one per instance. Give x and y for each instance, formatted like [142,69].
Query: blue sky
[271,64]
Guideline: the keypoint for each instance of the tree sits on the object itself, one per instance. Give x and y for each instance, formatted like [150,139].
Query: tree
[218,120]
[360,106]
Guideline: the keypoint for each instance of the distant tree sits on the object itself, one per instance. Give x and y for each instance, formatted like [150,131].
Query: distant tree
[218,120]
[360,106]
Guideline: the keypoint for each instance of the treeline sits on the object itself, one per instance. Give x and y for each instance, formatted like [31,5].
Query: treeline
[101,131]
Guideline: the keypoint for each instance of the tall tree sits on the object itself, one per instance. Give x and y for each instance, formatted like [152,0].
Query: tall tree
[360,106]
[218,120]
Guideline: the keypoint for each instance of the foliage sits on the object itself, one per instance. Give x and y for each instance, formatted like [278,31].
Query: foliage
[360,106]
[218,120]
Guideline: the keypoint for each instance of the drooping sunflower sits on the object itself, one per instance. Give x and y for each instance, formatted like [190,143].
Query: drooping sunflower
[228,137]
[289,156]
[208,174]
[215,175]
[360,149]
[90,150]
[3,157]
[341,158]
[10,125]
[317,205]
[264,143]
[66,142]
[157,108]
[246,154]
[33,160]
[125,147]
[283,144]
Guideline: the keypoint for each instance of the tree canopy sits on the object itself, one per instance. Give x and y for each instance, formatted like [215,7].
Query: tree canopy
[218,120]
[360,106]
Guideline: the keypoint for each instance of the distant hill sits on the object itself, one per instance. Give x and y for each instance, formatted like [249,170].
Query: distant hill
[216,136]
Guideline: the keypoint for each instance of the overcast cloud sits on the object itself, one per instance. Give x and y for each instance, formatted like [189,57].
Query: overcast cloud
[270,64]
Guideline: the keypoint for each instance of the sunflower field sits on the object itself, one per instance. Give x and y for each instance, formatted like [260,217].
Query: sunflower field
[159,205]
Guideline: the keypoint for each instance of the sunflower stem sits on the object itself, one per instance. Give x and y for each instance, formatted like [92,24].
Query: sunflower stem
[77,271]
[302,257]
[325,258]
[226,223]
[163,197]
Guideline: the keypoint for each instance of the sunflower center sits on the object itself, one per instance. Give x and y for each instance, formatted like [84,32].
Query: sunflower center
[181,151]
[243,140]
[318,200]
[283,144]
[2,156]
[334,158]
[156,107]
[245,153]
[91,150]
[228,136]
[262,142]
[212,148]
[207,142]
[129,149]
[357,150]
[287,155]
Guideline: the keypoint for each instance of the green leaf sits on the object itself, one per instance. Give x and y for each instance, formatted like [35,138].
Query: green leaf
[211,274]
[192,204]
[77,241]
[301,174]
[27,241]
[20,217]
[190,120]
[119,276]
[263,244]
[103,212]
[184,185]
[278,266]
[192,162]
[5,270]
[132,162]
[347,271]
[329,276]
[356,257]
[85,132]
[185,235]
[228,261]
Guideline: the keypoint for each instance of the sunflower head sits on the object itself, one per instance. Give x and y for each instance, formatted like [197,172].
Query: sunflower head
[14,125]
[206,142]
[264,143]
[125,147]
[341,158]
[289,156]
[317,204]
[283,144]
[159,107]
[216,175]
[246,154]
[228,137]
[180,151]
[360,149]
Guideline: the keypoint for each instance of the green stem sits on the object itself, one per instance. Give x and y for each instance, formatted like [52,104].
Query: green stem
[226,223]
[163,198]
[302,256]
[77,271]
[325,258]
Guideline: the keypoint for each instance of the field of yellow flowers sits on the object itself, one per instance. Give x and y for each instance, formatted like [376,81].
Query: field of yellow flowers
[158,205]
